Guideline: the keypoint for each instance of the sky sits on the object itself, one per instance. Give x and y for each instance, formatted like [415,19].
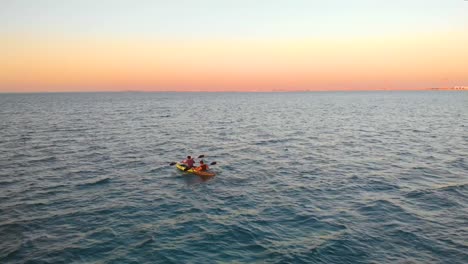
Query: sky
[216,45]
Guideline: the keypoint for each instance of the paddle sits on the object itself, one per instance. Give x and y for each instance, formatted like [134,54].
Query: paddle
[174,163]
[199,157]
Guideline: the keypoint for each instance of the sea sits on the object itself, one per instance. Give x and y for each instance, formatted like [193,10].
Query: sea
[301,177]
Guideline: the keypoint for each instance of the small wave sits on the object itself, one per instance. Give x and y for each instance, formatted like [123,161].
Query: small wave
[8,181]
[459,190]
[74,173]
[445,188]
[460,163]
[94,182]
[48,191]
[46,159]
[56,186]
[83,129]
[377,185]
[145,242]
[270,141]
[450,187]
[154,170]
[384,211]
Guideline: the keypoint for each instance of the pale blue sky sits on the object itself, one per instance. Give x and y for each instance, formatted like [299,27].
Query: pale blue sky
[231,19]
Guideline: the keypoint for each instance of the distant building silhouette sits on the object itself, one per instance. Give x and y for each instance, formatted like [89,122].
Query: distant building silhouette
[460,87]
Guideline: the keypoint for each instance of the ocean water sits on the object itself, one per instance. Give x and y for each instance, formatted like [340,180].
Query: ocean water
[320,177]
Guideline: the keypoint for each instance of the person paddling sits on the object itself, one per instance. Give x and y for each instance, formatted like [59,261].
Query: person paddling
[202,167]
[189,162]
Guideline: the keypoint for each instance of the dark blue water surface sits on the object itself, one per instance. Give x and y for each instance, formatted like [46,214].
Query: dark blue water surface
[323,177]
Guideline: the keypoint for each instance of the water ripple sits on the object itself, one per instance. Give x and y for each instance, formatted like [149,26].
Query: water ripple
[371,177]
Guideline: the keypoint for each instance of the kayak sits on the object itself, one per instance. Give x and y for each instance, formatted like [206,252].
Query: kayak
[199,173]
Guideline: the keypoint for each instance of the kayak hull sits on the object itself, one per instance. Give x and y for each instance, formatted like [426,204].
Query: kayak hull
[199,173]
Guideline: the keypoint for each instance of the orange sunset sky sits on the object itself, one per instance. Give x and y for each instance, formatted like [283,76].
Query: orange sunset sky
[232,46]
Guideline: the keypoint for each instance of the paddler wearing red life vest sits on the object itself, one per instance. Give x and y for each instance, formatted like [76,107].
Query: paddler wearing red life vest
[202,167]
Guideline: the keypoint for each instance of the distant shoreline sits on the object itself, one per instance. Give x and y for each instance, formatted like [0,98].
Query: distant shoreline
[273,91]
[463,88]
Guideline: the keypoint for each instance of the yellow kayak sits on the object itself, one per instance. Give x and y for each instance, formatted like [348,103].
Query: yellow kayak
[199,173]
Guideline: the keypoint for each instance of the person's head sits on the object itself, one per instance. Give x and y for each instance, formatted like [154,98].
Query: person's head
[189,157]
[201,162]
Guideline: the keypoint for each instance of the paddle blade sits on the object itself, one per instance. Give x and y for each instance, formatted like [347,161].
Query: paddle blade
[213,163]
[172,163]
[201,156]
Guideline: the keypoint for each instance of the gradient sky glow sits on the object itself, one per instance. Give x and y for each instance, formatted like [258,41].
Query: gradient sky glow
[203,45]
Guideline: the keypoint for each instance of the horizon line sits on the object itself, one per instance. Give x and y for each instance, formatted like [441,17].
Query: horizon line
[247,91]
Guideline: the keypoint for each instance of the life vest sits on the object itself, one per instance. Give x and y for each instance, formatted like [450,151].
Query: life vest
[203,167]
